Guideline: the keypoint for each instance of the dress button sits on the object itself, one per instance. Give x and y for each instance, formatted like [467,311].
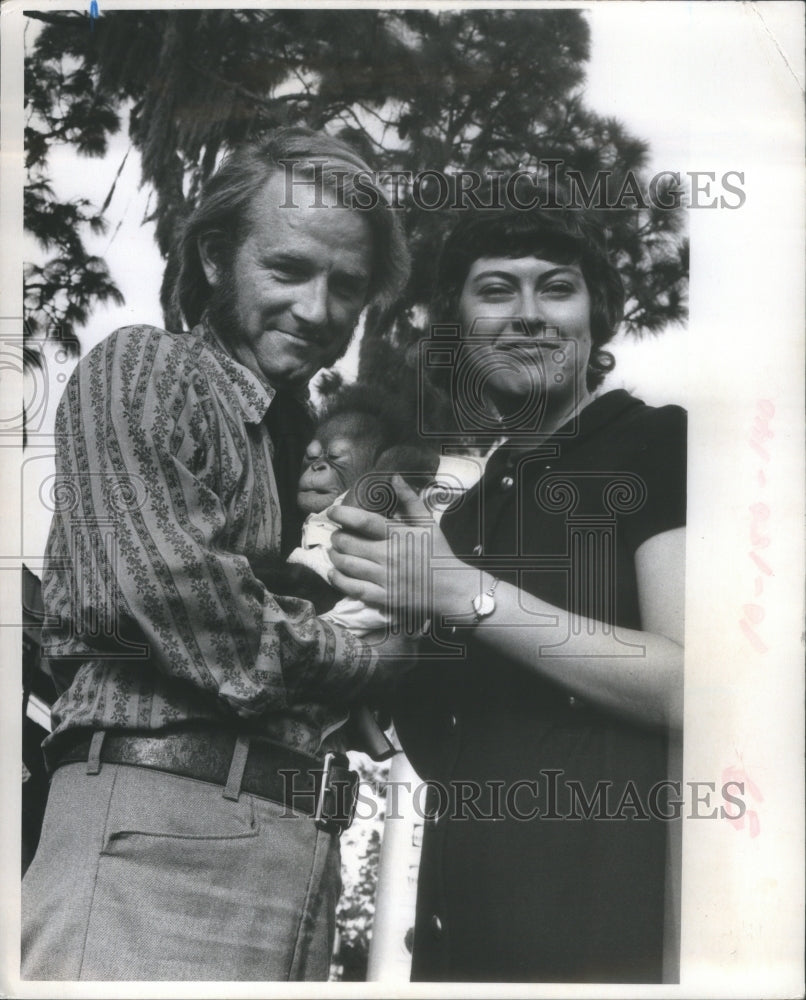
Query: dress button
[477,550]
[572,701]
[507,483]
[436,925]
[453,722]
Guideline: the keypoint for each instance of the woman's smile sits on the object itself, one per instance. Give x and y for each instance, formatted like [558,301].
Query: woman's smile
[535,315]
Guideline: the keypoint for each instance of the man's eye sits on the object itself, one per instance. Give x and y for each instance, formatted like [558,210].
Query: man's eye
[349,289]
[284,269]
[289,275]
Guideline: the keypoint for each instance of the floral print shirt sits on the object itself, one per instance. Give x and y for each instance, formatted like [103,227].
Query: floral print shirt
[164,492]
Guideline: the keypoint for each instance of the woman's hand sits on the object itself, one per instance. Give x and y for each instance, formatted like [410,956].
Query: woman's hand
[390,563]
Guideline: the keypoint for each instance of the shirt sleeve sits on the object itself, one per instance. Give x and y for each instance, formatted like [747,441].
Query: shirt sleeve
[145,533]
[660,463]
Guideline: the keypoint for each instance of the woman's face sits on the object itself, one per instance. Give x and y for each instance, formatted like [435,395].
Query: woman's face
[532,320]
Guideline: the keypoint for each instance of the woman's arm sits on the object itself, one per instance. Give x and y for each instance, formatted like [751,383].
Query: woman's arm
[635,673]
[588,658]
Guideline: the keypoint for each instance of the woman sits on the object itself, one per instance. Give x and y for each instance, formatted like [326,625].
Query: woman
[560,575]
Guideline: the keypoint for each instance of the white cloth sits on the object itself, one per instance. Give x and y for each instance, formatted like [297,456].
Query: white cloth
[314,552]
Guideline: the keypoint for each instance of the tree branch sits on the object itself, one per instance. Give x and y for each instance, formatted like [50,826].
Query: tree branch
[72,20]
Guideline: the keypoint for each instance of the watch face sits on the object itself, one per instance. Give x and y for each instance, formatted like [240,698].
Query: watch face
[483,605]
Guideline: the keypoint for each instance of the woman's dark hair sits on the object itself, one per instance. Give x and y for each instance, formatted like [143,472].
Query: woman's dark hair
[227,198]
[563,235]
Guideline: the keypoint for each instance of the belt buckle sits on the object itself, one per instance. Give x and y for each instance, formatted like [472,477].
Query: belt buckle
[331,814]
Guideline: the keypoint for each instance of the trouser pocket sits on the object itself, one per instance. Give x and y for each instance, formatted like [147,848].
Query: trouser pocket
[191,885]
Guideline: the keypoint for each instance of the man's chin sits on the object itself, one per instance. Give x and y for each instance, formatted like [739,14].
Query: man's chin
[287,378]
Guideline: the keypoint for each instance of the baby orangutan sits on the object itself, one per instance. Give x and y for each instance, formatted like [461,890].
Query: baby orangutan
[352,458]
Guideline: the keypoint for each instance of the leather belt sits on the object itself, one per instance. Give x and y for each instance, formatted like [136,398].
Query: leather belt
[324,789]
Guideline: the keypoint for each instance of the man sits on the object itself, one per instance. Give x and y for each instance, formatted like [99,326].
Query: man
[191,830]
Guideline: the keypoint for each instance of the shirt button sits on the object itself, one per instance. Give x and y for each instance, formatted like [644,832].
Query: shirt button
[507,483]
[453,722]
[436,925]
[477,550]
[572,702]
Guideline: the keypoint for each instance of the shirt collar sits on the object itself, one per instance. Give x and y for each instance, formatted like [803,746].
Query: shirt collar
[253,395]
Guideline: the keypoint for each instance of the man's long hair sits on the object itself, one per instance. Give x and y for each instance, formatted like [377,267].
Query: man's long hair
[227,198]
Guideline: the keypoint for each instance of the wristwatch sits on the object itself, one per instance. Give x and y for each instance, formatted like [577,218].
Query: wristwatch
[484,603]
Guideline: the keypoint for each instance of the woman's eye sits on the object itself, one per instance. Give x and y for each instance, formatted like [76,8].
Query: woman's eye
[494,291]
[560,287]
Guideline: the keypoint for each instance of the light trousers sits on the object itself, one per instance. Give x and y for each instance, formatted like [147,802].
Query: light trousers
[142,875]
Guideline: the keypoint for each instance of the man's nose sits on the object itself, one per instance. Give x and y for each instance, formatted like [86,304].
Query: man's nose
[310,305]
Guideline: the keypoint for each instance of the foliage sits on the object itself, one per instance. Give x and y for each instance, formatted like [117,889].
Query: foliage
[420,89]
[63,105]
[361,847]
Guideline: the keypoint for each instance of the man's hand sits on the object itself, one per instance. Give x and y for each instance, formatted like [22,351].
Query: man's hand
[397,655]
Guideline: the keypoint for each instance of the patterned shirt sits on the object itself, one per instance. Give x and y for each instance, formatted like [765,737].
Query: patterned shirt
[164,491]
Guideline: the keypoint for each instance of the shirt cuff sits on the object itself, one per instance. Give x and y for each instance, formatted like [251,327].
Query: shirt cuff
[337,666]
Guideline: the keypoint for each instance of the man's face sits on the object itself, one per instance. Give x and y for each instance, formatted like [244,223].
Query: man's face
[335,460]
[288,303]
